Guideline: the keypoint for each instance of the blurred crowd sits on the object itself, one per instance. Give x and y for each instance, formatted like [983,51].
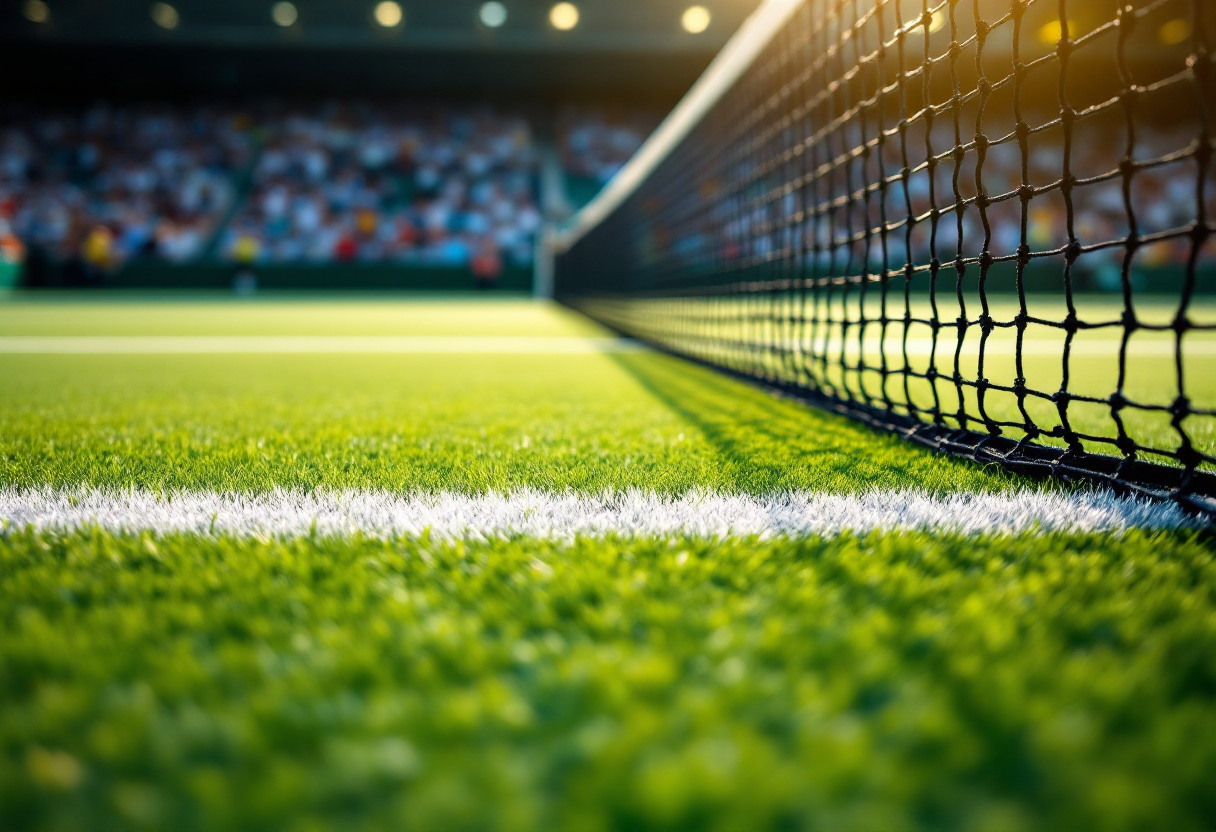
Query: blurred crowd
[97,187]
[1163,197]
[596,142]
[434,186]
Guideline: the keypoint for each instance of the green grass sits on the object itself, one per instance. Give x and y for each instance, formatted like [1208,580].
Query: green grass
[121,314]
[896,682]
[899,682]
[416,422]
[1151,377]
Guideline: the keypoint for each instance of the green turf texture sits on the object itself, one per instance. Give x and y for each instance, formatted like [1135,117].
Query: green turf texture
[466,423]
[171,314]
[898,682]
[852,360]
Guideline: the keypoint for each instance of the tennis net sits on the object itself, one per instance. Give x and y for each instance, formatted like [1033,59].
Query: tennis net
[985,225]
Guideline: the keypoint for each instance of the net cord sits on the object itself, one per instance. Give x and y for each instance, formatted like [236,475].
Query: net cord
[793,243]
[735,58]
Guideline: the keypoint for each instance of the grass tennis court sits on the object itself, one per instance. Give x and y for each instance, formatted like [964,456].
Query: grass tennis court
[761,334]
[894,680]
[415,422]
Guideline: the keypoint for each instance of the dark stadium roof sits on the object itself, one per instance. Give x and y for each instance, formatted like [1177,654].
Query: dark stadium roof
[631,25]
[626,49]
[631,48]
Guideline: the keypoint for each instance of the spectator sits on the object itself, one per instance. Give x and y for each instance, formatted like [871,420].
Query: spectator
[159,179]
[487,265]
[393,183]
[456,187]
[245,253]
[11,248]
[98,255]
[596,143]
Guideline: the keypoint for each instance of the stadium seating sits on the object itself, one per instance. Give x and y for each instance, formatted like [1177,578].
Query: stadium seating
[374,184]
[104,185]
[102,189]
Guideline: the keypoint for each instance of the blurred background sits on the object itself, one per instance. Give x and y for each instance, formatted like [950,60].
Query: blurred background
[412,143]
[323,143]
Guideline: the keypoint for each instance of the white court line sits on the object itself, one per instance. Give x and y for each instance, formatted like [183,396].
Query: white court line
[566,515]
[298,344]
[523,345]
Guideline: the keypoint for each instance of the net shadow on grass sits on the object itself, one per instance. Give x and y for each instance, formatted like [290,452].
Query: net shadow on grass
[769,444]
[848,203]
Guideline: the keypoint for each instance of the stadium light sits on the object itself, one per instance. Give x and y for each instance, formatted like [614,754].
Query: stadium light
[37,11]
[284,14]
[564,16]
[493,14]
[936,21]
[696,19]
[1174,32]
[165,16]
[1051,33]
[389,14]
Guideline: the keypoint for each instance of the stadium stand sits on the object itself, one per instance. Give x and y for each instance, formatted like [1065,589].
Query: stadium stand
[90,192]
[596,142]
[98,187]
[374,183]
[102,187]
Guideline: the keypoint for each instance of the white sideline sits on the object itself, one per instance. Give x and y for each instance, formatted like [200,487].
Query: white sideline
[521,345]
[566,515]
[310,344]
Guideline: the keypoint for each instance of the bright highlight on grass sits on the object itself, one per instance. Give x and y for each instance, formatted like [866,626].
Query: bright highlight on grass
[36,11]
[388,14]
[165,16]
[493,14]
[696,19]
[284,14]
[564,16]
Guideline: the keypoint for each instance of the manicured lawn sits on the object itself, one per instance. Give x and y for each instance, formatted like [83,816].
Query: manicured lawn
[413,422]
[899,682]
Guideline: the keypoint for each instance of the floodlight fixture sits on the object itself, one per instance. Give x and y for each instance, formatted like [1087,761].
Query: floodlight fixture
[1054,31]
[696,19]
[564,16]
[493,14]
[936,21]
[1174,32]
[165,16]
[284,14]
[389,14]
[37,11]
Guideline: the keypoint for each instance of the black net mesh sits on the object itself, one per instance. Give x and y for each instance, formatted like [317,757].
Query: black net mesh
[984,224]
